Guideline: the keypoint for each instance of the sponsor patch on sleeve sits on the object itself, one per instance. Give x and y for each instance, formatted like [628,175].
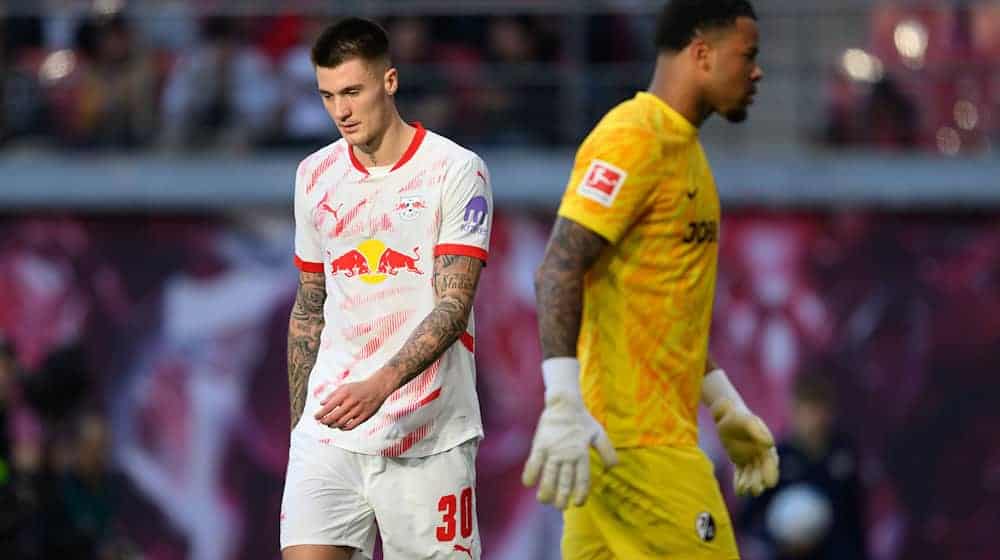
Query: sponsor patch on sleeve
[601,182]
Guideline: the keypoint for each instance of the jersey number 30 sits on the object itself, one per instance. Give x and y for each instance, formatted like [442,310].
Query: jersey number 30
[450,506]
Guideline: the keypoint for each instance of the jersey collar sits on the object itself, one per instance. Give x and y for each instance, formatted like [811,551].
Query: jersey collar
[678,119]
[418,138]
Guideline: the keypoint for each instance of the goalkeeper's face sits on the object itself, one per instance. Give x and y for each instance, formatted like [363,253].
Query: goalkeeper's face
[358,96]
[732,71]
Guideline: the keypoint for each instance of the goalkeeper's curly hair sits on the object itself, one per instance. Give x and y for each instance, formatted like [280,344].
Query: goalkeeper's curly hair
[681,20]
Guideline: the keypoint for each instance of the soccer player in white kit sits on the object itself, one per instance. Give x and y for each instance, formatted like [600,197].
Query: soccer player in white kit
[392,227]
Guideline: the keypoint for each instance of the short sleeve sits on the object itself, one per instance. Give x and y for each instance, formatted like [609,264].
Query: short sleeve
[308,253]
[466,212]
[614,179]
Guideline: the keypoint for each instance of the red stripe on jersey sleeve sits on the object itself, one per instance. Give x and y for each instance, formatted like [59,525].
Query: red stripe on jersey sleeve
[462,250]
[306,266]
[468,341]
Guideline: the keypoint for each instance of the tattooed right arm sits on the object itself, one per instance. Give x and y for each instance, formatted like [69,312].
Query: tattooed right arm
[304,328]
[571,251]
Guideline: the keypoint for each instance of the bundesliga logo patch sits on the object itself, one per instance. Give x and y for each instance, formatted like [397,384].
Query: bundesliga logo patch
[601,182]
[476,211]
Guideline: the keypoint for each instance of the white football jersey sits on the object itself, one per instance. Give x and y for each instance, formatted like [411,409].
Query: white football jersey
[374,234]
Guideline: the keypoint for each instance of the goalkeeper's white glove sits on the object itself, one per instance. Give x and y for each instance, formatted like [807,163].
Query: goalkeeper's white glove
[747,440]
[560,452]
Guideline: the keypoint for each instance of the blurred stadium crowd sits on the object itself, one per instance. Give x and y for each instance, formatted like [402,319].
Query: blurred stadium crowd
[929,79]
[59,497]
[185,83]
[180,80]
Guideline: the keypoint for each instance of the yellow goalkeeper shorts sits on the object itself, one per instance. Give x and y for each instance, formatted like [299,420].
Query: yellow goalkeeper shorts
[658,502]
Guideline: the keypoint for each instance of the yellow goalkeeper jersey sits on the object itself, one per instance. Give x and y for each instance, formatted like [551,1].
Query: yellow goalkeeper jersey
[641,180]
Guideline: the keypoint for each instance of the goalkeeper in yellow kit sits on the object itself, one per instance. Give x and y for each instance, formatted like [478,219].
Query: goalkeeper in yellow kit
[625,296]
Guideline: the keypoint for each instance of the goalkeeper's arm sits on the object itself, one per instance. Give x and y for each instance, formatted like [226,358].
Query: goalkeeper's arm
[560,451]
[747,440]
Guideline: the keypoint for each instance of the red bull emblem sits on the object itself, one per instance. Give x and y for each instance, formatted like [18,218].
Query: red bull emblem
[373,262]
[350,264]
[392,261]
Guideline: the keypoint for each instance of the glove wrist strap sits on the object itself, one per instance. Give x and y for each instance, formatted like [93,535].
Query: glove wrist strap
[716,386]
[562,377]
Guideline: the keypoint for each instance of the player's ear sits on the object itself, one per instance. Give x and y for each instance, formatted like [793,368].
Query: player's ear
[701,52]
[391,80]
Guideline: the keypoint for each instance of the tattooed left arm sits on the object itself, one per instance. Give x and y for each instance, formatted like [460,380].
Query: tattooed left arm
[455,281]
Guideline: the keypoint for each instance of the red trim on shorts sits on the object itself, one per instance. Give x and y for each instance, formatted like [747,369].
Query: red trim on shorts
[306,266]
[462,250]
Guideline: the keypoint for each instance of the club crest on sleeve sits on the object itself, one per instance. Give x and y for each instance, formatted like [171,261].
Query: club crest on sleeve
[705,526]
[601,182]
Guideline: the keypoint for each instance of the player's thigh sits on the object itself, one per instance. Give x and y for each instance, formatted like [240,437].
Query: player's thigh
[581,538]
[323,508]
[320,552]
[426,507]
[662,503]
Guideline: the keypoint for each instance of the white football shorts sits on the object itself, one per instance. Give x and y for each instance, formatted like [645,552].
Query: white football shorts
[424,507]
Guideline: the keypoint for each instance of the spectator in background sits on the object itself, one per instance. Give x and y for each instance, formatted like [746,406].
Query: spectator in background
[8,371]
[304,122]
[222,93]
[32,517]
[114,106]
[4,69]
[413,54]
[8,499]
[22,105]
[519,104]
[21,526]
[613,42]
[892,119]
[841,127]
[815,512]
[90,489]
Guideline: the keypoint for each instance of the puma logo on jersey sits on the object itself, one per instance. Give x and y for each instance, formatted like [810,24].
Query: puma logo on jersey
[460,548]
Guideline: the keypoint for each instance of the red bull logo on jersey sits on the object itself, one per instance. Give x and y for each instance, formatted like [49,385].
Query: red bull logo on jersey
[373,262]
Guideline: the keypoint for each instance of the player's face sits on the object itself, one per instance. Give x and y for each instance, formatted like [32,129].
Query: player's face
[358,96]
[734,72]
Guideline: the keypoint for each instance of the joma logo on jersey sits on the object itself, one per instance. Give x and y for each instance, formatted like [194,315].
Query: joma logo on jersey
[601,182]
[702,232]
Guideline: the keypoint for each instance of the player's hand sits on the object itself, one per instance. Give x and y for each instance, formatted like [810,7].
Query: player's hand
[750,447]
[351,404]
[560,452]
